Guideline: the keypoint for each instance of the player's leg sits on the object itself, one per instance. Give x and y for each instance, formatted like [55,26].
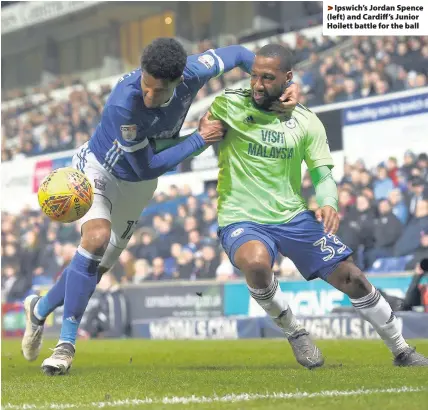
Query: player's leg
[125,219]
[78,280]
[81,273]
[320,255]
[373,307]
[253,252]
[80,283]
[38,308]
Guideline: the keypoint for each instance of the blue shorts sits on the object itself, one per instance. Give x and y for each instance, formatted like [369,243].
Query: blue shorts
[315,253]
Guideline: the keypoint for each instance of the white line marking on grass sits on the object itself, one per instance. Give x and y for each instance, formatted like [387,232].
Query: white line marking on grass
[229,398]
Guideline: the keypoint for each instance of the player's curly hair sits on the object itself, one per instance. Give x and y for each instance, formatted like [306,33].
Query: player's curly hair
[164,58]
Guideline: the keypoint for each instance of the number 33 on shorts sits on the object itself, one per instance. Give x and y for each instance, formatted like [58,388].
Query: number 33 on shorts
[326,246]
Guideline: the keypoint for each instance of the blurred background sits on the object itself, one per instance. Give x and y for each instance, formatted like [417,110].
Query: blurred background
[59,63]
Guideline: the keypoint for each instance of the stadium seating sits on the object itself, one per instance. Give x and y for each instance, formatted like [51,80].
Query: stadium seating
[63,115]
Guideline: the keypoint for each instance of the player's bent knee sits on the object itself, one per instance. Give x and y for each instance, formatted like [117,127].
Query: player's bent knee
[254,260]
[253,263]
[96,236]
[257,266]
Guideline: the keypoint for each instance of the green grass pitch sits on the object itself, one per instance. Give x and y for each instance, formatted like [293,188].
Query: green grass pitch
[239,374]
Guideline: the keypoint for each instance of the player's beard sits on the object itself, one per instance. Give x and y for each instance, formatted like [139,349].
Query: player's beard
[268,99]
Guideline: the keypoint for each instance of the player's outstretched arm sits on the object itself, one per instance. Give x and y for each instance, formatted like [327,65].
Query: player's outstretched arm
[213,63]
[139,153]
[235,56]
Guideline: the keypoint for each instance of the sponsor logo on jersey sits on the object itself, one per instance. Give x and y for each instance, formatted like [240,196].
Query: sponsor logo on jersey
[237,232]
[273,136]
[264,151]
[129,132]
[207,60]
[291,123]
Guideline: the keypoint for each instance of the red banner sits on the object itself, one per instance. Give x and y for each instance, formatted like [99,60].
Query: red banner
[41,170]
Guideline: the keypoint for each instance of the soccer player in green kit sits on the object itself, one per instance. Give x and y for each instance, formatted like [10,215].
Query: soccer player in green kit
[261,212]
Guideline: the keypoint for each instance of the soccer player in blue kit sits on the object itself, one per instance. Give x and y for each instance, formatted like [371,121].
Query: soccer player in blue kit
[147,104]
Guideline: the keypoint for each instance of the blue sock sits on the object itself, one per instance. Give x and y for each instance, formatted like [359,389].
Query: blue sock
[54,298]
[80,285]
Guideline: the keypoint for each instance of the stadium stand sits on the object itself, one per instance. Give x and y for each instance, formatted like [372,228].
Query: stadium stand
[329,70]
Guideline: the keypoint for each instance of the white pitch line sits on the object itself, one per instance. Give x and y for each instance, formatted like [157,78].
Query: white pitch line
[229,398]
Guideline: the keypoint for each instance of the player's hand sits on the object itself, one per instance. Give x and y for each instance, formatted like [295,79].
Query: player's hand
[288,101]
[329,217]
[211,130]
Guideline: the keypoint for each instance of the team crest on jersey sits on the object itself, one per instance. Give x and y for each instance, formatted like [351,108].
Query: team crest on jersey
[100,184]
[237,232]
[291,123]
[207,60]
[129,132]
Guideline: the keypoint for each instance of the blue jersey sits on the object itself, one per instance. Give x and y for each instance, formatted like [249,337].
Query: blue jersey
[121,139]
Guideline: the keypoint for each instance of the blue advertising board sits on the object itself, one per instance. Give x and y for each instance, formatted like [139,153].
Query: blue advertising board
[383,110]
[305,298]
[344,326]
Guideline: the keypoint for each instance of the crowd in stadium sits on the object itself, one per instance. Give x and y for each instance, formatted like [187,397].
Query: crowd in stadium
[384,214]
[370,66]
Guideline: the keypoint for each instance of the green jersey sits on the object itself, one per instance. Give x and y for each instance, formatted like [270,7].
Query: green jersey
[260,159]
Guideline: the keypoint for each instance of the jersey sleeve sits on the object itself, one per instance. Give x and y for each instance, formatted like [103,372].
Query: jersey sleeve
[213,63]
[317,150]
[218,108]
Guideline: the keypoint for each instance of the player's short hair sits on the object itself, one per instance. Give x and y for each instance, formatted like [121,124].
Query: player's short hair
[164,58]
[279,51]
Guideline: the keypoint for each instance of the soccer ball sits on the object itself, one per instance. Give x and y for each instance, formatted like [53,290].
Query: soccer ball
[65,195]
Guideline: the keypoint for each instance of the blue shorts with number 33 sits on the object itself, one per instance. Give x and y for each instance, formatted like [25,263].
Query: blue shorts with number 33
[303,240]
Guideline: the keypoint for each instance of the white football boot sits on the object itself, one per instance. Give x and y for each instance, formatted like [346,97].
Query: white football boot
[32,340]
[59,363]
